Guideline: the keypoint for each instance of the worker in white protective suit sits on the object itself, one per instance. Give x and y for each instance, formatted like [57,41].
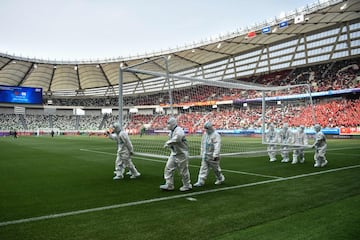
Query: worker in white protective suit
[210,154]
[284,140]
[178,159]
[300,140]
[271,139]
[124,152]
[320,147]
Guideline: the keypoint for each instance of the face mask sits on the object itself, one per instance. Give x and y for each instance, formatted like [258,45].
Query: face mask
[116,128]
[209,131]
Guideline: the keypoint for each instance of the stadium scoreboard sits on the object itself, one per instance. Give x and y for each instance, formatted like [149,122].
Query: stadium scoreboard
[25,95]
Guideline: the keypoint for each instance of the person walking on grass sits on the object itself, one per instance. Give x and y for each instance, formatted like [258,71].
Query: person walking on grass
[210,154]
[178,159]
[320,147]
[124,152]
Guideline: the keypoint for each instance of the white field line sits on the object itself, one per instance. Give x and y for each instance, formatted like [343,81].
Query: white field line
[249,173]
[94,151]
[184,195]
[333,149]
[190,165]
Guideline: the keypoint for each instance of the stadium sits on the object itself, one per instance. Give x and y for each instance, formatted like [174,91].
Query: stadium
[303,69]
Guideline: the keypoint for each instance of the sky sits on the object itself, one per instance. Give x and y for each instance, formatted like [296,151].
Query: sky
[65,30]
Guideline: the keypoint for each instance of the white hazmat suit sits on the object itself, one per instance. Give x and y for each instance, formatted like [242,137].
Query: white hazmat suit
[284,139]
[124,152]
[320,147]
[299,138]
[178,159]
[271,139]
[210,153]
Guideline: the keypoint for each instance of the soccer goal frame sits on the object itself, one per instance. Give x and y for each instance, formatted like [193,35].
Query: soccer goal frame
[230,83]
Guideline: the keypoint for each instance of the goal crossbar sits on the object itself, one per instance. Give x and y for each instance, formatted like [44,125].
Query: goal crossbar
[230,83]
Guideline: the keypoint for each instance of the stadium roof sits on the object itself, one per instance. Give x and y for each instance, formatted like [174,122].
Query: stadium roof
[100,77]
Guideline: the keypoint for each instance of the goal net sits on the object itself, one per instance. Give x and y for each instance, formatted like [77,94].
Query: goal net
[240,111]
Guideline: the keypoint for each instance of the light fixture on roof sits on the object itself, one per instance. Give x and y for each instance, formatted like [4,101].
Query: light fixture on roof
[14,61]
[169,57]
[343,7]
[35,66]
[55,66]
[121,64]
[97,65]
[193,50]
[219,45]
[75,68]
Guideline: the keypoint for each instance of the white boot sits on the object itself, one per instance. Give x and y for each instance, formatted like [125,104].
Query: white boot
[134,172]
[317,163]
[135,175]
[199,183]
[323,164]
[167,187]
[118,177]
[220,181]
[186,188]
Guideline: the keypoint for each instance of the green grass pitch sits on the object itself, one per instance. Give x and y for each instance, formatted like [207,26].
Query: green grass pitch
[62,188]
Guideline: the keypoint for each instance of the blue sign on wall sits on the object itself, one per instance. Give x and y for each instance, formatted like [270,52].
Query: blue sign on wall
[283,24]
[265,30]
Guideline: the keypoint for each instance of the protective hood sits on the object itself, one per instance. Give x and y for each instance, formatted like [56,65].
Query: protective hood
[171,123]
[116,127]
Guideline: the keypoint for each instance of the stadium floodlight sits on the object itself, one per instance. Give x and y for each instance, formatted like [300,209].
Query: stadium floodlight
[343,7]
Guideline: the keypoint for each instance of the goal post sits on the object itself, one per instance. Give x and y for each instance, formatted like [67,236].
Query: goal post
[239,110]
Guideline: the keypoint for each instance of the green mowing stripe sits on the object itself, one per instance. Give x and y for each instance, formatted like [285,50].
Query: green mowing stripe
[334,220]
[190,194]
[339,149]
[347,154]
